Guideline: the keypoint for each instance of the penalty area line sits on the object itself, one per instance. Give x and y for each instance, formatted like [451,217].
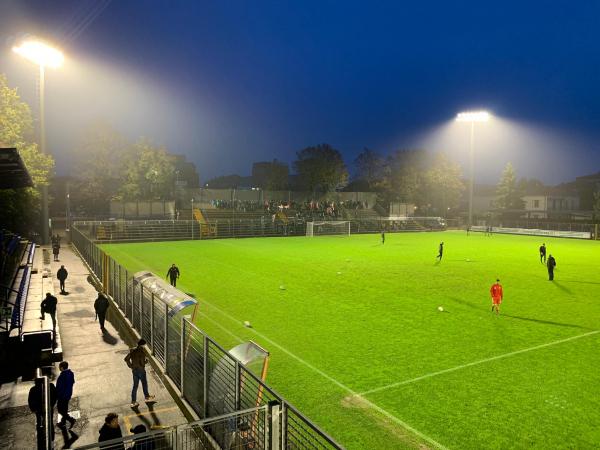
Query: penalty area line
[334,381]
[475,363]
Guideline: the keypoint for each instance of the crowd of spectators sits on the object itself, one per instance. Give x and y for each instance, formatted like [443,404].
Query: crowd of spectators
[308,209]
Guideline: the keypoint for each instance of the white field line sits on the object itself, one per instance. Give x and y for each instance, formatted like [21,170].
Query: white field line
[235,336]
[475,363]
[336,382]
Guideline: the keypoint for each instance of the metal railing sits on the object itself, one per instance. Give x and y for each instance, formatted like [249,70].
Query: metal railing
[235,431]
[207,376]
[170,230]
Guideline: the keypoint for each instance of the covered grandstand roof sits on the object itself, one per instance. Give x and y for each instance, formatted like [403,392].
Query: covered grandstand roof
[13,173]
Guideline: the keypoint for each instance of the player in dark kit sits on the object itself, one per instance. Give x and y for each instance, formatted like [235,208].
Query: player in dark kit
[551,264]
[383,236]
[173,274]
[543,253]
[440,251]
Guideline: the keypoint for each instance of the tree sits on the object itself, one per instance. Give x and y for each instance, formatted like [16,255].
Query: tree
[443,184]
[321,168]
[99,165]
[21,207]
[148,173]
[403,176]
[596,205]
[369,165]
[509,193]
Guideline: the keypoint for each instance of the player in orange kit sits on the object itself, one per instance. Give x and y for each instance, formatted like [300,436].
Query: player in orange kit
[496,293]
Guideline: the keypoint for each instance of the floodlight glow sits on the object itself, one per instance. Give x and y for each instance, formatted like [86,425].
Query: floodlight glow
[40,53]
[473,116]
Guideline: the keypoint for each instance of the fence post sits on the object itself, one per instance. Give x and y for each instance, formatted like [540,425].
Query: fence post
[142,315]
[181,354]
[126,292]
[166,341]
[152,322]
[205,376]
[283,425]
[138,309]
[237,385]
[274,421]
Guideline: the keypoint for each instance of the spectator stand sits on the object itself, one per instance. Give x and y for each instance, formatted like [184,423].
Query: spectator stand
[36,341]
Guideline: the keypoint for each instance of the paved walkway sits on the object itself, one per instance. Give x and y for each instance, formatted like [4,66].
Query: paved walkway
[102,379]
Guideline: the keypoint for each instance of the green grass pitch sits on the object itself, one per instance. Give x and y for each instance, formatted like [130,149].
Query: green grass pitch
[357,342]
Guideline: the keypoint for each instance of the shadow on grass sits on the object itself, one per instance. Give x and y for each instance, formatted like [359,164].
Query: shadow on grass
[561,287]
[528,319]
[582,282]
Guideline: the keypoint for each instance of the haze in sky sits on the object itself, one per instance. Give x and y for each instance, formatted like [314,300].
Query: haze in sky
[230,83]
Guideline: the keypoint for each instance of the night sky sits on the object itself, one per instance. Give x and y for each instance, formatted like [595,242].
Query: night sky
[232,82]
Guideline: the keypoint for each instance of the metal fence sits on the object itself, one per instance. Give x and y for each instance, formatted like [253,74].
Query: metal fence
[170,230]
[207,376]
[236,431]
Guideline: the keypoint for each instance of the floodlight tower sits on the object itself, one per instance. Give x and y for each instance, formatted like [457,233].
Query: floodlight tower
[43,56]
[472,117]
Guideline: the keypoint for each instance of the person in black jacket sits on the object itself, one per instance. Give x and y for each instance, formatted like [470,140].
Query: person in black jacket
[101,306]
[48,306]
[111,430]
[173,274]
[551,264]
[62,275]
[64,392]
[543,253]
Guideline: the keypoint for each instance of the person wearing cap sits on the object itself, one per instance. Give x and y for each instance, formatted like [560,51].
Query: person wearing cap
[136,361]
[143,443]
[496,293]
[111,430]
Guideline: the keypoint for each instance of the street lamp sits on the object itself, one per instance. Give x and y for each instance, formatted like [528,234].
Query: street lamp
[44,56]
[472,117]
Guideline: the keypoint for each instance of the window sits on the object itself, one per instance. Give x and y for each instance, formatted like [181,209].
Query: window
[536,204]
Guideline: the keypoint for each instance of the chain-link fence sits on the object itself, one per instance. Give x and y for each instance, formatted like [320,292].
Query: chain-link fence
[208,377]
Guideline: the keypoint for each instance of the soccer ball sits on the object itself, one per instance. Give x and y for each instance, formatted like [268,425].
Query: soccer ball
[339,273]
[440,308]
[282,287]
[247,324]
[468,260]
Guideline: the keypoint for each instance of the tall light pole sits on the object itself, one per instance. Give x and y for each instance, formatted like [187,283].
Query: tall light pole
[472,117]
[44,56]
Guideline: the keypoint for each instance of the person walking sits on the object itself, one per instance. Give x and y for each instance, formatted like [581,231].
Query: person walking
[111,430]
[543,253]
[136,361]
[551,264]
[383,236]
[173,274]
[101,306]
[62,275]
[497,295]
[48,306]
[55,246]
[64,392]
[440,251]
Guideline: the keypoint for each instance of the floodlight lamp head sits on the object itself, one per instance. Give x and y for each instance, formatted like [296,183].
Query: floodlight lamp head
[473,116]
[40,53]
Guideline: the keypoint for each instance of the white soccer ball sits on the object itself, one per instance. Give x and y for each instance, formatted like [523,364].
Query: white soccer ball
[339,273]
[440,308]
[282,287]
[247,324]
[468,260]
